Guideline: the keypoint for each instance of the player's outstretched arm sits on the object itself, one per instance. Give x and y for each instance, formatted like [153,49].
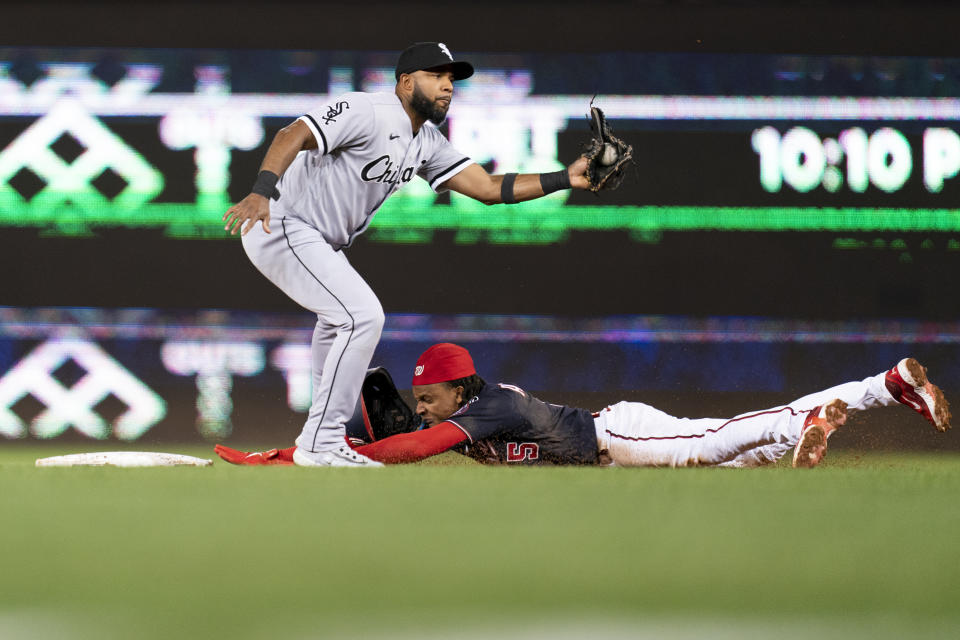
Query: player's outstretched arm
[288,142]
[414,446]
[474,181]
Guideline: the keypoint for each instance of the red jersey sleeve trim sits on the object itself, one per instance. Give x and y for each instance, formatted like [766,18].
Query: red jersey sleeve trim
[411,447]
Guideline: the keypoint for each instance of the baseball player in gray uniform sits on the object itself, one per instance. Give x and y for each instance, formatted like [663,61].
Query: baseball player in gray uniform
[320,184]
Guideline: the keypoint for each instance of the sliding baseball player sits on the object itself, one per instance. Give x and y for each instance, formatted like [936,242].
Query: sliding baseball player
[503,424]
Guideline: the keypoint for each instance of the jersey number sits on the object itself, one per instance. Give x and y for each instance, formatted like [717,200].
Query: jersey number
[522,451]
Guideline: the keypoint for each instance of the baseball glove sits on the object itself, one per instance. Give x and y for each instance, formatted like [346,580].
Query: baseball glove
[606,154]
[380,411]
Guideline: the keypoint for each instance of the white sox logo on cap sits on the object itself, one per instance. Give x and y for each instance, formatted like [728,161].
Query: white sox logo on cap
[418,371]
[427,55]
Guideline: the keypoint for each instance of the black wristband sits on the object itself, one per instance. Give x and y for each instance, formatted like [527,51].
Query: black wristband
[554,181]
[506,189]
[266,185]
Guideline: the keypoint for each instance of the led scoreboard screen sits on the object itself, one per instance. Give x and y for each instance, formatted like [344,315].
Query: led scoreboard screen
[864,153]
[876,153]
[168,138]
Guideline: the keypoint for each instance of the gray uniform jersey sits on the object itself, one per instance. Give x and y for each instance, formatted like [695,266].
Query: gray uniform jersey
[366,151]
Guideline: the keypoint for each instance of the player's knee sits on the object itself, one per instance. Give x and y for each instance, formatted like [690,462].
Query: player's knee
[370,319]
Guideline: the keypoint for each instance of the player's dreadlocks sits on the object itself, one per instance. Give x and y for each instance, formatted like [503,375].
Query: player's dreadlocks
[472,385]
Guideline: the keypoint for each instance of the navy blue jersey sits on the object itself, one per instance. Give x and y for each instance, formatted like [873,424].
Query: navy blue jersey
[506,424]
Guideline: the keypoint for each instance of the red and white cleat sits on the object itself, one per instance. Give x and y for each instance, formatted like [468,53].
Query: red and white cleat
[908,384]
[255,458]
[819,425]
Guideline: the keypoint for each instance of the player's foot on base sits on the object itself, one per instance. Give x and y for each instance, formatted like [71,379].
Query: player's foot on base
[908,384]
[342,457]
[255,458]
[819,425]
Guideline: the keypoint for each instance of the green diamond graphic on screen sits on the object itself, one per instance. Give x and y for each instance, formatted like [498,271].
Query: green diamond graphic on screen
[71,192]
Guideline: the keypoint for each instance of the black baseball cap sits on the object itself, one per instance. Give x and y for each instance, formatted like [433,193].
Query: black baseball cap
[427,55]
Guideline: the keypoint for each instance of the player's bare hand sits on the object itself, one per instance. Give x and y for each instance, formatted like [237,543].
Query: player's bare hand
[578,174]
[243,216]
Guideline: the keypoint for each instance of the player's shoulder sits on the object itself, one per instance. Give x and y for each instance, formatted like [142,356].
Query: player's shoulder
[383,99]
[351,104]
[352,100]
[502,392]
[383,105]
[504,387]
[491,397]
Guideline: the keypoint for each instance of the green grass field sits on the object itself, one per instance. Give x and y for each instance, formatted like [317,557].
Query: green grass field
[861,547]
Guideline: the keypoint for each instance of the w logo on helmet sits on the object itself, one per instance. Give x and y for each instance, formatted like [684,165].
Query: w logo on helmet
[418,371]
[446,51]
